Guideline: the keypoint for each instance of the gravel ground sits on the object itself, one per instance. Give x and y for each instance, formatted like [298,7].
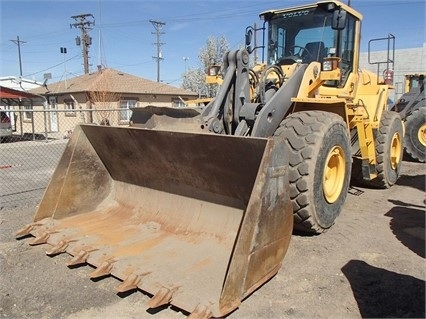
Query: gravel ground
[371,263]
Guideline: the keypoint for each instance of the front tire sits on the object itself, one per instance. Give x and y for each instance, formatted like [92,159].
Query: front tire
[320,166]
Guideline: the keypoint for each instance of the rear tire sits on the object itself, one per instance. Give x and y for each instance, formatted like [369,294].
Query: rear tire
[388,139]
[415,134]
[320,164]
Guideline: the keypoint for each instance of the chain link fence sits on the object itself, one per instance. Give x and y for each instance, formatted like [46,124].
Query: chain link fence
[31,152]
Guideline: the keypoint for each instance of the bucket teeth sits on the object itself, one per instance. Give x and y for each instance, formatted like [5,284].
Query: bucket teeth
[162,297]
[59,248]
[40,239]
[130,283]
[201,312]
[103,270]
[78,259]
[24,231]
[27,229]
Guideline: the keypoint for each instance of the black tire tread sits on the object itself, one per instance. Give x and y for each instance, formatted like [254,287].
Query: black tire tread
[413,146]
[382,180]
[302,130]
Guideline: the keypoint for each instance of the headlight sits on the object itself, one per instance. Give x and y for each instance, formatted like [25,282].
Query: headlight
[330,63]
[327,65]
[213,70]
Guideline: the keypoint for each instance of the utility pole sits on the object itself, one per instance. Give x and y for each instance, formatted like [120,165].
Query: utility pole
[18,43]
[158,27]
[64,52]
[255,43]
[185,58]
[84,25]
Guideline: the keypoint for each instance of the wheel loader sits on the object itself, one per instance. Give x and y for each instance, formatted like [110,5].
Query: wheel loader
[195,207]
[412,108]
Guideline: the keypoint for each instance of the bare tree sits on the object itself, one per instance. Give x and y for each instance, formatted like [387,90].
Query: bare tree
[212,54]
[103,97]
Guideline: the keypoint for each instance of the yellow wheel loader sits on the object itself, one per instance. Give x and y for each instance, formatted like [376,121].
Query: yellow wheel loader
[411,106]
[196,206]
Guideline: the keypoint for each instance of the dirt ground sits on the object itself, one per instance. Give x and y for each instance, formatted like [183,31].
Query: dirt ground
[371,263]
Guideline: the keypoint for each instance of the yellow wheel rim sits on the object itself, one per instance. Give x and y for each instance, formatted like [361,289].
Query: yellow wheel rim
[395,151]
[421,134]
[334,174]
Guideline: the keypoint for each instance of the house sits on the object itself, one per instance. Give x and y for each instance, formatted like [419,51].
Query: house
[13,101]
[103,97]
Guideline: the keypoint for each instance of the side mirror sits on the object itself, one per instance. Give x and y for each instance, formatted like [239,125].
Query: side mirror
[339,19]
[249,36]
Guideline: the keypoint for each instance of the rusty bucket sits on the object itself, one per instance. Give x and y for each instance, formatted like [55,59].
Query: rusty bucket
[196,220]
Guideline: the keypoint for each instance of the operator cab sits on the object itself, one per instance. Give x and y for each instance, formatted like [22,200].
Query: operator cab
[312,33]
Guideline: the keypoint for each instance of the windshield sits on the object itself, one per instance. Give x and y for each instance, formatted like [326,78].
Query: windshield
[304,36]
[414,82]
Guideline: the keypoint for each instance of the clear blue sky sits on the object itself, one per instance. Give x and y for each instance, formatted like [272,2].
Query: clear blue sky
[127,39]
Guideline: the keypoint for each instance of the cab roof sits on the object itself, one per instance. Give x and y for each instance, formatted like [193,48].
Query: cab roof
[350,10]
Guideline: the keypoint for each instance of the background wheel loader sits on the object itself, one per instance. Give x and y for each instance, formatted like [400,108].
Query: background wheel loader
[196,207]
[412,108]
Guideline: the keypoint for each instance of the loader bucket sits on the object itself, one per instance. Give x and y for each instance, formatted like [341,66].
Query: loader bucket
[194,220]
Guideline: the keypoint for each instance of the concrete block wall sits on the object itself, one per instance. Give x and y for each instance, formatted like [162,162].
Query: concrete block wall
[407,61]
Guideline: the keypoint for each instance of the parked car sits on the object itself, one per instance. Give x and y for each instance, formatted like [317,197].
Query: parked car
[5,125]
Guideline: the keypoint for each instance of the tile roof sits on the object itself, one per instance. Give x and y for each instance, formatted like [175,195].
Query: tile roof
[111,80]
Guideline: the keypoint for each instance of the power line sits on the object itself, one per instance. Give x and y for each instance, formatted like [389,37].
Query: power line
[51,67]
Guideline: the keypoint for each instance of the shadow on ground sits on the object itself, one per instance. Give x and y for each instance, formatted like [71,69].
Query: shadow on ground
[385,294]
[23,138]
[416,181]
[408,225]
